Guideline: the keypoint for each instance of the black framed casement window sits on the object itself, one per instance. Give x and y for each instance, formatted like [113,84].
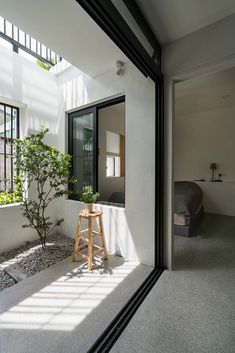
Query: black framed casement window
[9,131]
[87,156]
[83,148]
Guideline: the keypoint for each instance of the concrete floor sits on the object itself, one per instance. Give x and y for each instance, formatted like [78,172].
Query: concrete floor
[191,309]
[65,308]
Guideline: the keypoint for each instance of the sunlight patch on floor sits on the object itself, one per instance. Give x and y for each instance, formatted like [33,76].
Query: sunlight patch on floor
[66,302]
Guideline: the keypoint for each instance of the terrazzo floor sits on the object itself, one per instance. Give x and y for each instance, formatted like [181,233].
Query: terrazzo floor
[191,309]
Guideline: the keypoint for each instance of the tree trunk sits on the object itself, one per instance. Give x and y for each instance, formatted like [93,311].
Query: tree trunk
[43,239]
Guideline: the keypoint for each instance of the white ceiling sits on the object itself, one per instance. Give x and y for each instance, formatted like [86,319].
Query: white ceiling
[214,91]
[173,19]
[67,29]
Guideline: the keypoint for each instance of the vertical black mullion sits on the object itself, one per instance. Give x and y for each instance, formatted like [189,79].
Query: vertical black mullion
[4,162]
[159,175]
[11,159]
[95,149]
[17,129]
[17,123]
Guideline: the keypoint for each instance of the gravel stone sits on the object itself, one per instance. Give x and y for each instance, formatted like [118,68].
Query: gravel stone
[31,258]
[5,280]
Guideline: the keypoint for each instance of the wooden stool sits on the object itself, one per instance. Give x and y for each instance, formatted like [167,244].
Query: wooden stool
[88,242]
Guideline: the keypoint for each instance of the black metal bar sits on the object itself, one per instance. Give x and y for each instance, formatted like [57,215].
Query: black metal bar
[4,149]
[95,150]
[11,149]
[159,173]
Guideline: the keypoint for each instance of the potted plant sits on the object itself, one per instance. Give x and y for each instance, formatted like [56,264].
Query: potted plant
[89,198]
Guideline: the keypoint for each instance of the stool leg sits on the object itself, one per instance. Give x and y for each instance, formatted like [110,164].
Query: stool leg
[103,245]
[76,243]
[90,243]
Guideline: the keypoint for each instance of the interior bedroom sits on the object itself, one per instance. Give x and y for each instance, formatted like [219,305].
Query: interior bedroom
[204,167]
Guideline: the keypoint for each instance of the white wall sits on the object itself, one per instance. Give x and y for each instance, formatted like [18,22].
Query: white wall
[130,229]
[35,92]
[218,198]
[45,98]
[11,232]
[207,50]
[111,120]
[206,46]
[203,138]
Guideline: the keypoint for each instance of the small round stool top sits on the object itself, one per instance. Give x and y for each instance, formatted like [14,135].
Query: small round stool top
[85,214]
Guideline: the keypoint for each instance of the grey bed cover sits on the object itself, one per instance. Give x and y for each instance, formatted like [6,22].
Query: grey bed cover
[188,197]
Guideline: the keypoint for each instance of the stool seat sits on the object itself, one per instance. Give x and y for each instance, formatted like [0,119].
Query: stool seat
[85,214]
[88,241]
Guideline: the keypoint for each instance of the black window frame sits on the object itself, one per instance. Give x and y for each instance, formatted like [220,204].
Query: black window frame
[71,117]
[94,109]
[5,106]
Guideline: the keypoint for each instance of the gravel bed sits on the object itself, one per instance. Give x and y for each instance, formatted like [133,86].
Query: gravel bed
[32,258]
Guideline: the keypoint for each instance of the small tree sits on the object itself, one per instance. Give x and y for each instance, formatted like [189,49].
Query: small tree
[43,172]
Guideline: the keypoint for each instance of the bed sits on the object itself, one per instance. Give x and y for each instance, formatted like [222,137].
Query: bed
[187,207]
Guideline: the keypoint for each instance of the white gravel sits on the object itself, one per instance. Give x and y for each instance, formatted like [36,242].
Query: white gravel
[31,258]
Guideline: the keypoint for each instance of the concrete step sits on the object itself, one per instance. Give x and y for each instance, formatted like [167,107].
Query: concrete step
[11,268]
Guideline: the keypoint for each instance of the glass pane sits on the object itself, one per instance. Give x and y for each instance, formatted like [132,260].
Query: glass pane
[117,166]
[1,171]
[110,166]
[14,123]
[1,121]
[8,173]
[112,142]
[83,146]
[8,122]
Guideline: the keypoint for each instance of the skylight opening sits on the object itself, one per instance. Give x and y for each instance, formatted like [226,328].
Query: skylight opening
[14,38]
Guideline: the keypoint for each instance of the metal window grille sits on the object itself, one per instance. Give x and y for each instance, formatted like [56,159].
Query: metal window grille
[9,131]
[21,40]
